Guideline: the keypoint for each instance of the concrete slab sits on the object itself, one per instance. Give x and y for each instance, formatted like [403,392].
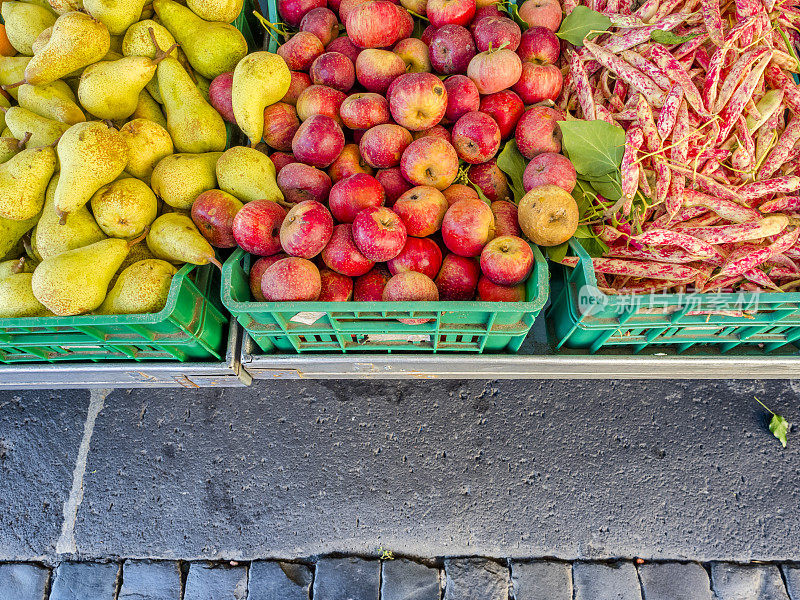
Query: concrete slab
[575,469]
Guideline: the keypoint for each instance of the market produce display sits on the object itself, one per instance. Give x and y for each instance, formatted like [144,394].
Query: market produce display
[687,152]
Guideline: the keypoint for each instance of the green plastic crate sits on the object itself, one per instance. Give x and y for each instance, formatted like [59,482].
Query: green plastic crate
[584,317]
[189,327]
[373,326]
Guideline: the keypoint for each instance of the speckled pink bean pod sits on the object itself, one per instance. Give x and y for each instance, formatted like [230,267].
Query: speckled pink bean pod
[768,187]
[666,237]
[645,66]
[713,72]
[669,112]
[582,87]
[647,10]
[780,204]
[629,167]
[740,97]
[667,255]
[675,71]
[630,75]
[684,214]
[713,20]
[709,184]
[645,121]
[735,76]
[782,150]
[663,179]
[782,273]
[775,77]
[569,6]
[639,268]
[760,278]
[740,232]
[755,258]
[727,209]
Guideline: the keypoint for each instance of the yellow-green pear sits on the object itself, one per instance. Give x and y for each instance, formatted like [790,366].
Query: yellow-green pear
[53,101]
[149,109]
[260,79]
[64,6]
[175,238]
[154,91]
[7,133]
[23,182]
[148,143]
[248,174]
[24,22]
[137,40]
[9,146]
[211,47]
[42,39]
[12,231]
[76,281]
[193,124]
[92,154]
[19,265]
[51,237]
[110,89]
[180,178]
[43,4]
[44,131]
[138,252]
[17,299]
[12,70]
[77,40]
[116,15]
[143,287]
[4,104]
[216,10]
[204,85]
[124,208]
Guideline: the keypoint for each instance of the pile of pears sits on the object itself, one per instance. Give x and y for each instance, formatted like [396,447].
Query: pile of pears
[107,137]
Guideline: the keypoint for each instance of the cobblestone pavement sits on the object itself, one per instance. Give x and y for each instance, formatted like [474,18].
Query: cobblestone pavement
[352,578]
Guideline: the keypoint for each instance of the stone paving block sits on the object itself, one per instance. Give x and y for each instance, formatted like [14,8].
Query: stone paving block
[542,580]
[23,582]
[792,575]
[605,581]
[747,582]
[674,581]
[150,580]
[213,582]
[84,581]
[472,578]
[347,579]
[271,580]
[408,580]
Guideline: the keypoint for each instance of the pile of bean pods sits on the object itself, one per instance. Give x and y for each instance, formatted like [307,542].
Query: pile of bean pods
[712,142]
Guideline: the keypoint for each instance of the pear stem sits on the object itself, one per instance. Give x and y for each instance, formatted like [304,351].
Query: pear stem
[9,86]
[213,260]
[162,54]
[153,39]
[139,238]
[26,241]
[62,217]
[4,109]
[19,266]
[21,143]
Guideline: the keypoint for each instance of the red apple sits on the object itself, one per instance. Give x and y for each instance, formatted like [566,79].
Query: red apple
[350,196]
[383,145]
[348,6]
[334,70]
[539,82]
[539,45]
[379,233]
[342,255]
[293,11]
[406,24]
[476,137]
[430,161]
[410,286]
[343,45]
[219,92]
[422,255]
[422,209]
[257,226]
[493,32]
[494,70]
[506,218]
[280,125]
[507,260]
[542,13]
[417,100]
[491,180]
[549,168]
[320,100]
[491,292]
[394,184]
[362,111]
[335,286]
[369,287]
[300,182]
[505,108]
[451,49]
[348,163]
[458,278]
[318,141]
[213,212]
[322,22]
[301,50]
[467,226]
[291,280]
[306,230]
[445,12]
[459,191]
[298,83]
[257,272]
[281,159]
[427,34]
[414,53]
[376,69]
[481,12]
[462,97]
[538,131]
[417,6]
[375,24]
[439,131]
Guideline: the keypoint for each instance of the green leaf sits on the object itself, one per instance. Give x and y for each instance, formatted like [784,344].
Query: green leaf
[594,147]
[583,232]
[557,253]
[594,247]
[779,427]
[523,24]
[513,164]
[667,37]
[581,22]
[608,185]
[481,195]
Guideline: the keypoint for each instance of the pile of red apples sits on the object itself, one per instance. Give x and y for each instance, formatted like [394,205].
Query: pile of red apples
[382,140]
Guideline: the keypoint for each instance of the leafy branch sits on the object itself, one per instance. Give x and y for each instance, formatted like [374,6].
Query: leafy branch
[778,426]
